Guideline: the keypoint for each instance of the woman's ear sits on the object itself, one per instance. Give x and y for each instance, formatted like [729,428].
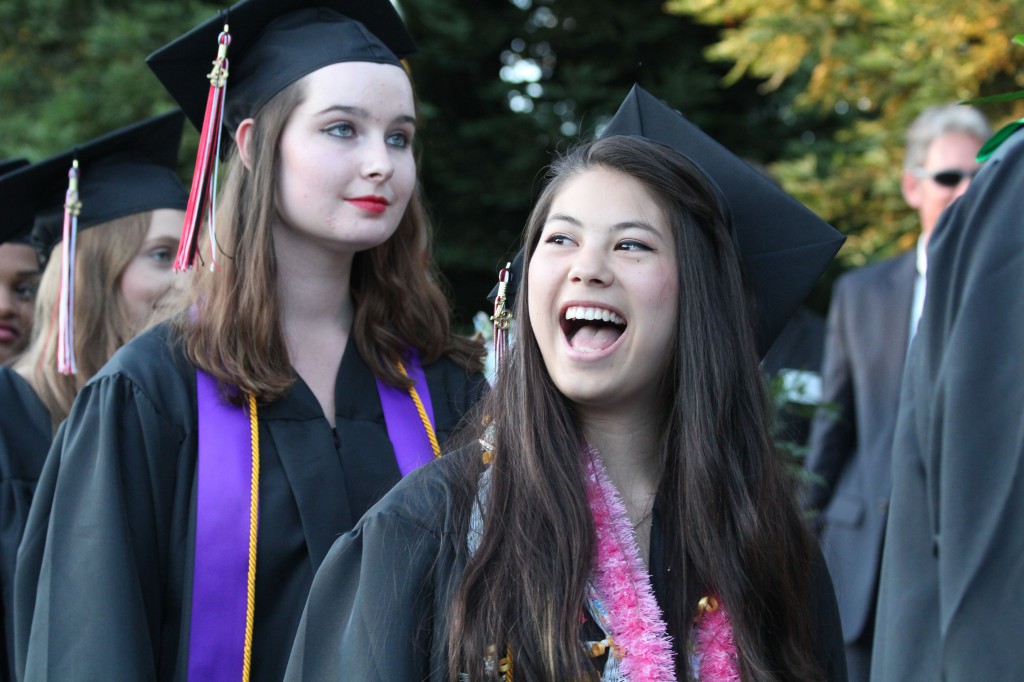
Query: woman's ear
[243,136]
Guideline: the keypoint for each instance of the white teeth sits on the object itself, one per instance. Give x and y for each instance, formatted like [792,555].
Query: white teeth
[585,313]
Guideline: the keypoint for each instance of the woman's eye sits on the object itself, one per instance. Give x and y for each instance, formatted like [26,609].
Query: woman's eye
[340,130]
[559,239]
[25,292]
[161,255]
[632,245]
[398,139]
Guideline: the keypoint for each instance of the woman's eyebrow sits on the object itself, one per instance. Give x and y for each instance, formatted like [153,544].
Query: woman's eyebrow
[361,113]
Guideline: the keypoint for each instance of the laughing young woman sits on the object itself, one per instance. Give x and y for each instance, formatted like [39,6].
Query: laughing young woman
[624,515]
[203,474]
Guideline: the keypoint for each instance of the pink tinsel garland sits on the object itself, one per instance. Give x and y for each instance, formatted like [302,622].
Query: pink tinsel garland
[715,648]
[634,617]
[635,620]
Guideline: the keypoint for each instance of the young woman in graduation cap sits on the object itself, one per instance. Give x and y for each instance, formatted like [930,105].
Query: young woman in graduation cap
[123,224]
[206,471]
[624,515]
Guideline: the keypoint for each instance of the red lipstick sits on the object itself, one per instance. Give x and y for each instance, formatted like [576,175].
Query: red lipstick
[370,204]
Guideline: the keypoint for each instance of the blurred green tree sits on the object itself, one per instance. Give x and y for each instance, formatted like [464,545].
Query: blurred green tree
[71,69]
[504,83]
[501,85]
[876,64]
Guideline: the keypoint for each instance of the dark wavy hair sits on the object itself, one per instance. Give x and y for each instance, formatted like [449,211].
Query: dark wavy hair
[729,520]
[237,336]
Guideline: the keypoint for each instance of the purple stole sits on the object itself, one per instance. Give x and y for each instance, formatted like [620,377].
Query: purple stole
[226,496]
[406,430]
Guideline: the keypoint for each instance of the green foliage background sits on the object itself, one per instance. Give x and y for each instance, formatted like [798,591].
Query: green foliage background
[819,91]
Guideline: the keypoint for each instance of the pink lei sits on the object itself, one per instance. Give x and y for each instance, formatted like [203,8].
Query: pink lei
[625,606]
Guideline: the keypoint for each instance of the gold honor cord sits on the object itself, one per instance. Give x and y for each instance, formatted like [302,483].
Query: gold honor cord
[414,394]
[254,503]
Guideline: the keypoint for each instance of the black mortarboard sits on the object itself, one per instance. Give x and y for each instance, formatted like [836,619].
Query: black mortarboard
[127,171]
[273,44]
[12,228]
[8,165]
[784,246]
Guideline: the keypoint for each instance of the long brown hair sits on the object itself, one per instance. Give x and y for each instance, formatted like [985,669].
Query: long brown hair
[101,322]
[729,522]
[236,336]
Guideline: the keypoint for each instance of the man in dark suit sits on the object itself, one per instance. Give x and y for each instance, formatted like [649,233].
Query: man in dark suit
[873,315]
[951,596]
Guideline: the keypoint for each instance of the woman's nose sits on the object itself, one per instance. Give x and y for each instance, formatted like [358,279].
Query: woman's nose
[590,267]
[377,163]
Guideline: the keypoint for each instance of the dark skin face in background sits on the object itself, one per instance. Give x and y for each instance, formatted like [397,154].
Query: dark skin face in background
[19,277]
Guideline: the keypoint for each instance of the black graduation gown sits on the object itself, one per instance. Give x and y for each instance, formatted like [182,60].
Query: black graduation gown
[377,611]
[25,434]
[951,597]
[104,575]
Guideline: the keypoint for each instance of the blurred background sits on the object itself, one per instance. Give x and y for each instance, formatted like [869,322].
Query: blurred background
[818,91]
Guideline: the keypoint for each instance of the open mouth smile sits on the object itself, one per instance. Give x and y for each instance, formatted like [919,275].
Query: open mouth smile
[591,329]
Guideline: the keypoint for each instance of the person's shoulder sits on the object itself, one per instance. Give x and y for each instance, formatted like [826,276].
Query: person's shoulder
[431,496]
[1010,152]
[24,415]
[12,385]
[873,273]
[450,371]
[154,355]
[151,365]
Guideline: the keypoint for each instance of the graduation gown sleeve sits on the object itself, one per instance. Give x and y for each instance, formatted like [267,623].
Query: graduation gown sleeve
[97,600]
[952,590]
[377,607]
[829,647]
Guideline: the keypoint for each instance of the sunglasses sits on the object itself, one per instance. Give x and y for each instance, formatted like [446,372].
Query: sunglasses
[950,177]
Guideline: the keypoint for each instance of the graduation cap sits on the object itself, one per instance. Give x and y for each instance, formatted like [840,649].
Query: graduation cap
[13,230]
[127,171]
[783,245]
[262,47]
[273,44]
[8,165]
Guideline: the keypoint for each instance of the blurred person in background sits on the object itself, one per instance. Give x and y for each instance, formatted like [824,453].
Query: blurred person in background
[871,321]
[19,277]
[132,205]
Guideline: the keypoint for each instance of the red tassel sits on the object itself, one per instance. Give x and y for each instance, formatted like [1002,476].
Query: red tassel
[202,198]
[502,317]
[66,364]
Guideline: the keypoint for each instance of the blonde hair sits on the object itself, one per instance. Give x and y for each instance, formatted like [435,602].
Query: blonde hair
[236,335]
[101,322]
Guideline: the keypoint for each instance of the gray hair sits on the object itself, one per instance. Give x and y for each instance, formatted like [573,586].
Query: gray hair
[936,121]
